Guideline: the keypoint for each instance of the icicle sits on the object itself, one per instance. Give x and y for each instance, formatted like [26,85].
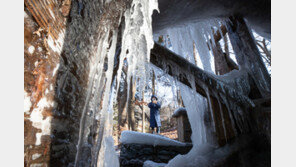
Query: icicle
[195,105]
[92,77]
[137,40]
[222,115]
[210,107]
[226,102]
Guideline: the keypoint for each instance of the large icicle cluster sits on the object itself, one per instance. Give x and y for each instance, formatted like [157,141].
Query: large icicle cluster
[136,44]
[192,41]
[204,152]
[96,75]
[137,40]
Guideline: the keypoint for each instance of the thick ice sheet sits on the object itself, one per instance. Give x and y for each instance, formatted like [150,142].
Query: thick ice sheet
[147,138]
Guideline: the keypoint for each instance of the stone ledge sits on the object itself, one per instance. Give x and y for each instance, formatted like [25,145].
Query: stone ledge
[134,155]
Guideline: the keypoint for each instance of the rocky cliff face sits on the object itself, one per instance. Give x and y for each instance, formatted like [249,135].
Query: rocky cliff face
[65,43]
[44,33]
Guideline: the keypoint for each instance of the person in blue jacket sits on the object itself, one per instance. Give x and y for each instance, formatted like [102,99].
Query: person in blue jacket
[154,114]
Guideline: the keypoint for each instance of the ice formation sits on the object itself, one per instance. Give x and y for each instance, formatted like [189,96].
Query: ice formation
[136,45]
[149,139]
[137,40]
[164,86]
[92,95]
[196,106]
[192,41]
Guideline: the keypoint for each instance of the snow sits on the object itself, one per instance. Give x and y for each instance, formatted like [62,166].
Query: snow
[128,137]
[55,69]
[37,165]
[149,163]
[56,45]
[38,121]
[38,139]
[35,156]
[27,102]
[31,49]
[39,49]
[51,13]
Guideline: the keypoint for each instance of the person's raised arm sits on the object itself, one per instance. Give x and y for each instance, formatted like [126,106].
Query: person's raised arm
[158,105]
[150,105]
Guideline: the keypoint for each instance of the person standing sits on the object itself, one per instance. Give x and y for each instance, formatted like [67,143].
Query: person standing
[154,114]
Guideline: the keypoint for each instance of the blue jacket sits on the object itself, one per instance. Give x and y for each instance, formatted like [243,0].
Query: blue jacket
[154,114]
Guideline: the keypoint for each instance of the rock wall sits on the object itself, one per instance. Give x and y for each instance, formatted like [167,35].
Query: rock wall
[65,46]
[44,31]
[134,155]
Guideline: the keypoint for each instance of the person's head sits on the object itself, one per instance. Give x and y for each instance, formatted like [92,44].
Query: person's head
[153,98]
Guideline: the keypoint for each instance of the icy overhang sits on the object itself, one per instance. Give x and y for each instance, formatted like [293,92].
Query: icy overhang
[180,12]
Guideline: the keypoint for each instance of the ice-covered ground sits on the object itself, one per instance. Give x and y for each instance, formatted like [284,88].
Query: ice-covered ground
[147,138]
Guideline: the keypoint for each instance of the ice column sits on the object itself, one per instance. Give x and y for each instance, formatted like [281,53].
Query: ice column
[137,40]
[196,106]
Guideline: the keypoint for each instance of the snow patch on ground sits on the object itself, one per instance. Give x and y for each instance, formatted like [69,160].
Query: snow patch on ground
[128,137]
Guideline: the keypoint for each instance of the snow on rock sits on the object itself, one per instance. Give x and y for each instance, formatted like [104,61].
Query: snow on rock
[38,120]
[35,156]
[149,163]
[128,137]
[27,103]
[31,49]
